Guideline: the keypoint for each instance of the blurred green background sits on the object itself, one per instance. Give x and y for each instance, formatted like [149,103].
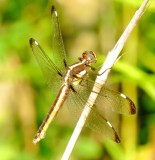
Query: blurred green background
[25,98]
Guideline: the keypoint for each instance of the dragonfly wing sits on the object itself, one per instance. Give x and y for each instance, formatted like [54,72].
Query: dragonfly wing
[95,121]
[100,124]
[51,72]
[115,101]
[57,41]
[109,100]
[101,116]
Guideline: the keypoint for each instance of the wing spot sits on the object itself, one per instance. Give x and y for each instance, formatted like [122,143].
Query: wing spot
[122,95]
[109,124]
[36,43]
[56,13]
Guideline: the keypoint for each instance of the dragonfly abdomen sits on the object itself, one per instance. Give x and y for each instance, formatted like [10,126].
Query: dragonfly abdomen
[63,93]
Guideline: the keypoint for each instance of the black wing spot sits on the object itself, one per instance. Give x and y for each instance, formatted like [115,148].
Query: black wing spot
[31,41]
[52,9]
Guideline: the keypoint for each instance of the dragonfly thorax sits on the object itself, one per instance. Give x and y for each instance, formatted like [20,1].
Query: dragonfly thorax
[75,72]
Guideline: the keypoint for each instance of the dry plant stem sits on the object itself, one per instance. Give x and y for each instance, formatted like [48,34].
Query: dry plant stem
[109,62]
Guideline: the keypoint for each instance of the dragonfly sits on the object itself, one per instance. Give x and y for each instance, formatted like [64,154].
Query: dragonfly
[76,85]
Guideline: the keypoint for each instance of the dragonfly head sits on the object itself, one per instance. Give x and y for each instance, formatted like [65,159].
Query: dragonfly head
[89,56]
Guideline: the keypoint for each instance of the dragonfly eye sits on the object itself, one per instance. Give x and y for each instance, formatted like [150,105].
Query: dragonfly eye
[89,56]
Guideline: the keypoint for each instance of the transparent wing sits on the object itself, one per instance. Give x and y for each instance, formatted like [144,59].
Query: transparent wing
[57,41]
[110,100]
[101,117]
[95,120]
[114,101]
[52,74]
